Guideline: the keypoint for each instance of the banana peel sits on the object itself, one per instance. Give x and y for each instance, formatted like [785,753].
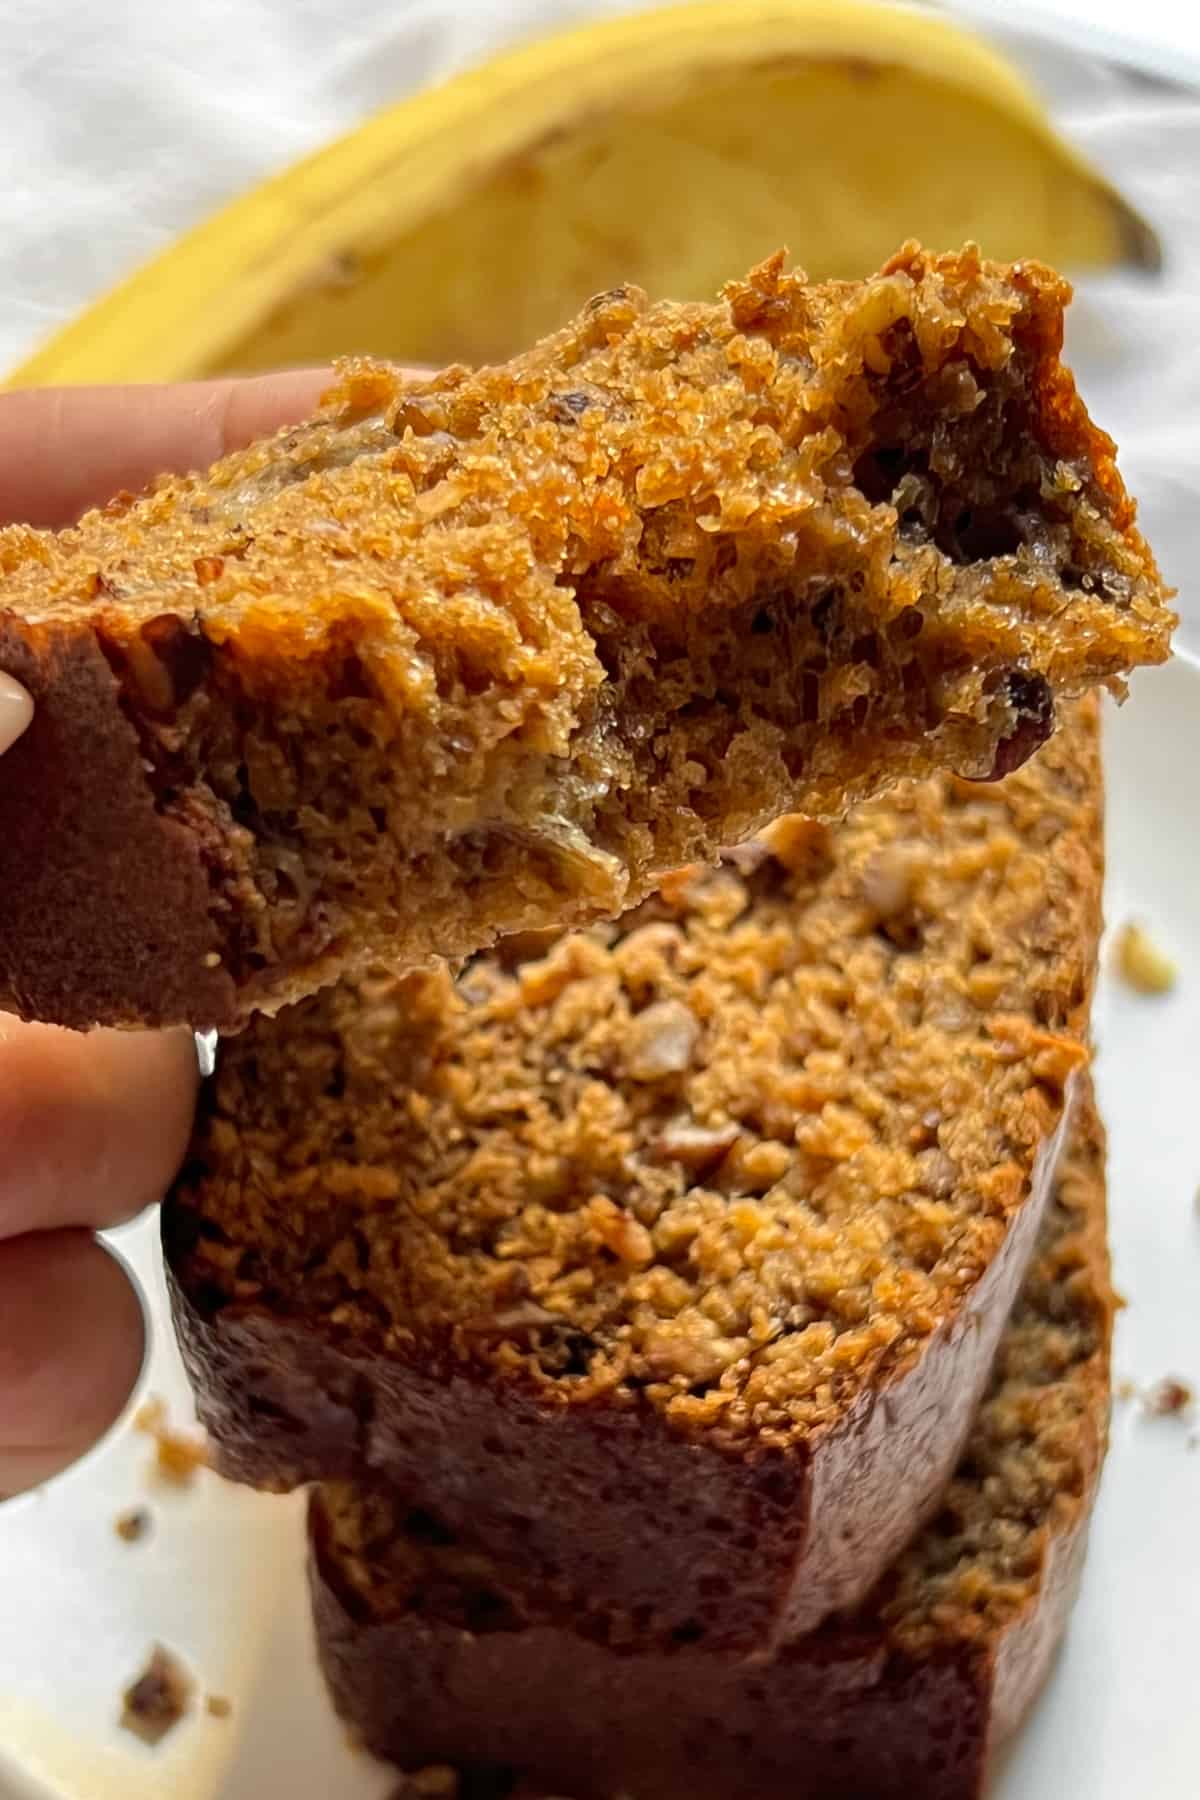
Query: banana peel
[672,149]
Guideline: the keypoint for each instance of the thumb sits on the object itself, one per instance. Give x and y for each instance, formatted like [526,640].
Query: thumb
[16,710]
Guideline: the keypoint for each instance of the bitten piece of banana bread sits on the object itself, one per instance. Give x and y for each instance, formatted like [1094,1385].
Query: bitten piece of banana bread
[488,653]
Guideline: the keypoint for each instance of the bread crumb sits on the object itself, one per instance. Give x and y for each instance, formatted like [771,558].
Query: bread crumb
[177,1458]
[1142,964]
[1125,1389]
[178,1454]
[1168,1397]
[155,1702]
[151,1414]
[132,1526]
[218,1706]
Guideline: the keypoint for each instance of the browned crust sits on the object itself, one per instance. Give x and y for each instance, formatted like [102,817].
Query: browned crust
[1022,1657]
[736,1550]
[871,1705]
[847,1722]
[102,896]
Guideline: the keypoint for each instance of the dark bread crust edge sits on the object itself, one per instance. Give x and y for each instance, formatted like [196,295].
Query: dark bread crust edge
[847,1718]
[102,895]
[846,1721]
[840,1714]
[1022,1659]
[642,1516]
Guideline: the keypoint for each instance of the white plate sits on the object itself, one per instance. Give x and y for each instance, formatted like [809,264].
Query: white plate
[221,1579]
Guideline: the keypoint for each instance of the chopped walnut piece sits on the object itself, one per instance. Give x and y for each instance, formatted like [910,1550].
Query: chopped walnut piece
[697,1147]
[661,1041]
[1142,964]
[620,1232]
[887,881]
[160,1696]
[685,1350]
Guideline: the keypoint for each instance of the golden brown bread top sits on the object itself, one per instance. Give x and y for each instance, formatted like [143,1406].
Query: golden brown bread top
[489,652]
[734,1158]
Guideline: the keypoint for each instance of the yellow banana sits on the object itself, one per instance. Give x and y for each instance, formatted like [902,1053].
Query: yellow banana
[671,148]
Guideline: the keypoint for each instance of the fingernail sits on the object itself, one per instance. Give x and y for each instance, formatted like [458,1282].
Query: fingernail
[16,710]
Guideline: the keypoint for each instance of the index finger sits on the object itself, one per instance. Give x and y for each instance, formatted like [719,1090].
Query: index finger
[92,1124]
[63,450]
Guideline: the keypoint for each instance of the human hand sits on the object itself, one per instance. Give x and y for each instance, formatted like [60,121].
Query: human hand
[92,1126]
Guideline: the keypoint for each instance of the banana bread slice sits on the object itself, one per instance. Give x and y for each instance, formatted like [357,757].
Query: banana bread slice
[433,1655]
[668,1261]
[488,653]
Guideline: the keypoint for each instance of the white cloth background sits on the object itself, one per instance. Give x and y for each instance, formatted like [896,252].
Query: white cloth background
[121,125]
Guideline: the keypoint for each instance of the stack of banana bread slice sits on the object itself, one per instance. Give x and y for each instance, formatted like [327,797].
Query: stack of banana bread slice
[433,1654]
[641,1294]
[644,1301]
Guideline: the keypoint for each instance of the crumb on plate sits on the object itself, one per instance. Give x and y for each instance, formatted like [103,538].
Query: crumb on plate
[1141,963]
[218,1706]
[133,1525]
[155,1702]
[151,1415]
[178,1454]
[1168,1397]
